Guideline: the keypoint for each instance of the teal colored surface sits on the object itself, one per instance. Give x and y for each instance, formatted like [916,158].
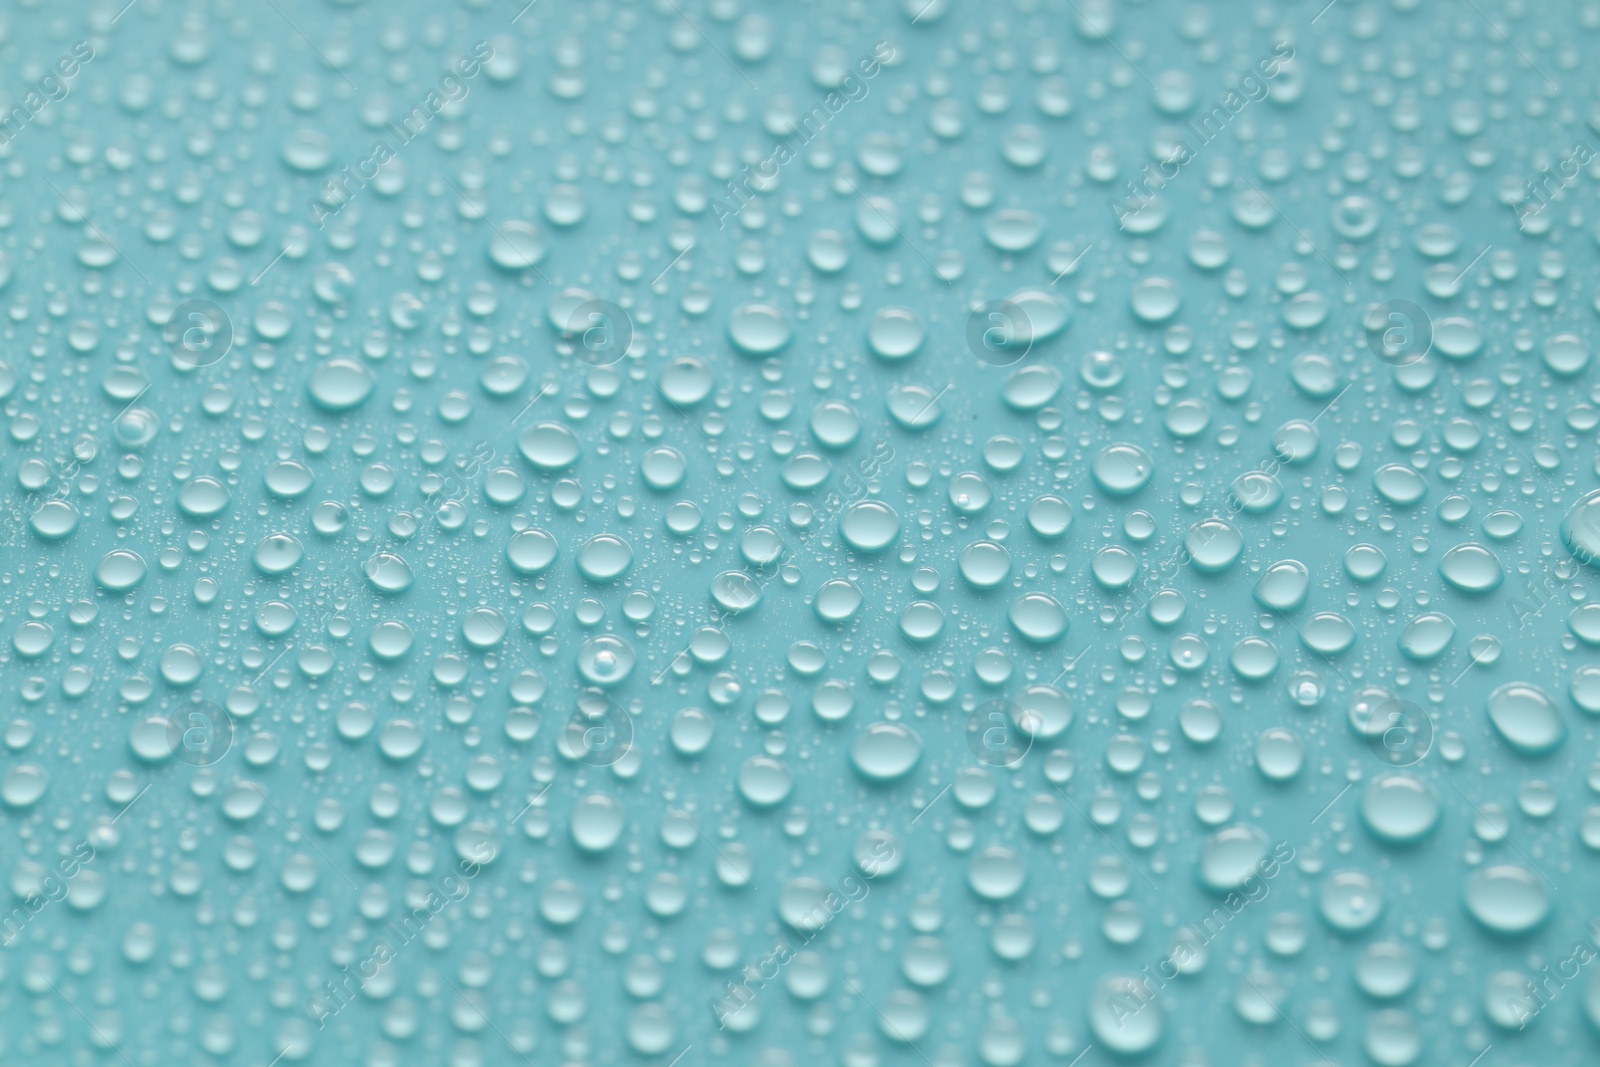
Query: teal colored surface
[727,533]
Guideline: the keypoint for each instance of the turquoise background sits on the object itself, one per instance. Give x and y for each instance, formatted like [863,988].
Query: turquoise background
[331,565]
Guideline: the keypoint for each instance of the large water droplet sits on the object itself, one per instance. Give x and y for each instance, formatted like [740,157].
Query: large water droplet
[885,751]
[340,385]
[1507,899]
[758,329]
[869,526]
[1471,568]
[1122,469]
[1400,808]
[1526,717]
[516,245]
[1124,1014]
[1232,855]
[120,570]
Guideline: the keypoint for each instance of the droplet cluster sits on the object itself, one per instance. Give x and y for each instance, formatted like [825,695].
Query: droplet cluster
[1011,533]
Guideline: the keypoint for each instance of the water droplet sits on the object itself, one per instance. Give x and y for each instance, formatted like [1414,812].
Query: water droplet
[1125,1015]
[605,558]
[1213,545]
[758,329]
[516,245]
[1400,808]
[869,526]
[885,751]
[1122,469]
[1507,899]
[120,570]
[1526,718]
[896,333]
[1350,900]
[1471,568]
[1427,636]
[550,446]
[341,385]
[1039,617]
[1231,856]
